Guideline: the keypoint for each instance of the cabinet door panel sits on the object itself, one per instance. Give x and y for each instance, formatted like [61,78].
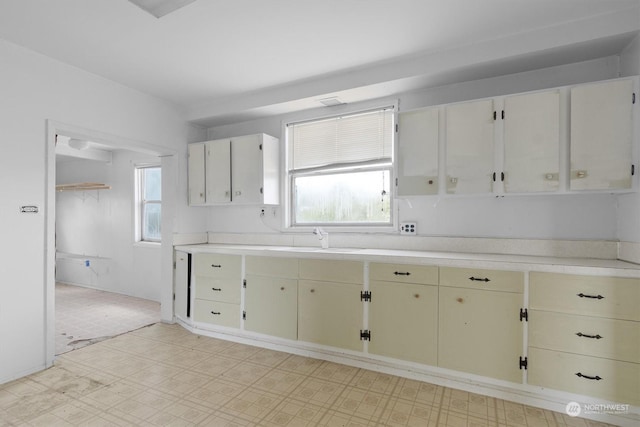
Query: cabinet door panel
[601,125]
[218,171]
[180,283]
[403,320]
[532,142]
[271,305]
[470,156]
[418,152]
[480,332]
[246,169]
[196,174]
[330,314]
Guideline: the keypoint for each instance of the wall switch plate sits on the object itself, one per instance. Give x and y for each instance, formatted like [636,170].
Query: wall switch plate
[409,228]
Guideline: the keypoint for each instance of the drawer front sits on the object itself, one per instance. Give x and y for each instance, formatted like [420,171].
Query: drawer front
[495,280]
[592,336]
[214,289]
[332,270]
[404,273]
[218,265]
[272,266]
[217,313]
[590,376]
[611,297]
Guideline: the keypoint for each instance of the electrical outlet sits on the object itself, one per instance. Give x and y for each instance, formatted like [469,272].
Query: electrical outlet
[409,228]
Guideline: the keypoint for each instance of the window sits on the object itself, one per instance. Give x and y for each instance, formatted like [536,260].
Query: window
[340,169]
[149,203]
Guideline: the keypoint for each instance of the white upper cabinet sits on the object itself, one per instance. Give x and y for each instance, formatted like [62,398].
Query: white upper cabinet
[418,136]
[240,170]
[218,171]
[531,142]
[469,146]
[601,129]
[196,174]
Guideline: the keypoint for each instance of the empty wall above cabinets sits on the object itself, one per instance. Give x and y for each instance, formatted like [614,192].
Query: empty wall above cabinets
[560,140]
[242,170]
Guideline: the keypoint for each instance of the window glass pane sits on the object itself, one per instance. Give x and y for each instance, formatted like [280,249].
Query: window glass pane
[343,198]
[152,184]
[151,216]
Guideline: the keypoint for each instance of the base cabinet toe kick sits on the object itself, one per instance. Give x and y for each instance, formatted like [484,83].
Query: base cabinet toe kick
[541,338]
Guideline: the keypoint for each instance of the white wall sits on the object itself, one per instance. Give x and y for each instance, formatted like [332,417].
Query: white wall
[36,89]
[629,205]
[100,225]
[543,217]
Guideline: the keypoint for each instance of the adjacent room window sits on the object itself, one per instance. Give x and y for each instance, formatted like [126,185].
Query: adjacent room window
[149,202]
[340,169]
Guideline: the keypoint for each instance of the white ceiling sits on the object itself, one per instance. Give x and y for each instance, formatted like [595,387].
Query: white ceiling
[229,60]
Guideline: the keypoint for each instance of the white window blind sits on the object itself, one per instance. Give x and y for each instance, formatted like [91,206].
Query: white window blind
[341,140]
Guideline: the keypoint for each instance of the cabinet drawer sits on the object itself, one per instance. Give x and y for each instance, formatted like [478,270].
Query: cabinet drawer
[591,376]
[272,266]
[593,336]
[332,270]
[404,273]
[214,289]
[612,297]
[218,265]
[495,280]
[217,313]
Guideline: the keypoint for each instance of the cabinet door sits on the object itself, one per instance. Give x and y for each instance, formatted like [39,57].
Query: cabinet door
[196,174]
[246,169]
[480,332]
[532,142]
[180,285]
[218,171]
[601,126]
[271,306]
[403,319]
[418,152]
[470,155]
[330,314]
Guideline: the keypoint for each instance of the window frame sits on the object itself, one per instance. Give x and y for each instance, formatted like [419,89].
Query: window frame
[141,202]
[389,165]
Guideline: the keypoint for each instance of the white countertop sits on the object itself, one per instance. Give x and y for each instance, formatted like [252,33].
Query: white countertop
[453,259]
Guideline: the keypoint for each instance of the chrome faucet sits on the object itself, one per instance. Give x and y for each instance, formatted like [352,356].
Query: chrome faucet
[323,236]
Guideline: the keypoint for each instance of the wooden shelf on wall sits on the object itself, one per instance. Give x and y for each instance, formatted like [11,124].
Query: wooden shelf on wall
[84,186]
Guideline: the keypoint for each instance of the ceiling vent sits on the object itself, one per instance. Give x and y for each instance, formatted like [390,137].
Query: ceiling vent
[160,8]
[330,102]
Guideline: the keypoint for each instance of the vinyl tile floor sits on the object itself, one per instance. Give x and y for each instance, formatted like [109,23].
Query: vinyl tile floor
[85,316]
[163,375]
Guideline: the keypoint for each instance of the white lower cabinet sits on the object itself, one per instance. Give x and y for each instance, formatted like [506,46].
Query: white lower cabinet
[271,296]
[480,331]
[584,335]
[218,279]
[403,314]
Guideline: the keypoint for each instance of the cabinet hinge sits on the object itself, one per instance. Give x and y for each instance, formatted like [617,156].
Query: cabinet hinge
[633,170]
[396,182]
[502,114]
[396,128]
[502,176]
[244,283]
[495,115]
[365,296]
[174,263]
[524,315]
[524,363]
[174,297]
[365,335]
[261,190]
[244,315]
[633,98]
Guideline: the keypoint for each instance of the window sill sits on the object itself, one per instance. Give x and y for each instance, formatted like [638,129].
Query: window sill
[145,244]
